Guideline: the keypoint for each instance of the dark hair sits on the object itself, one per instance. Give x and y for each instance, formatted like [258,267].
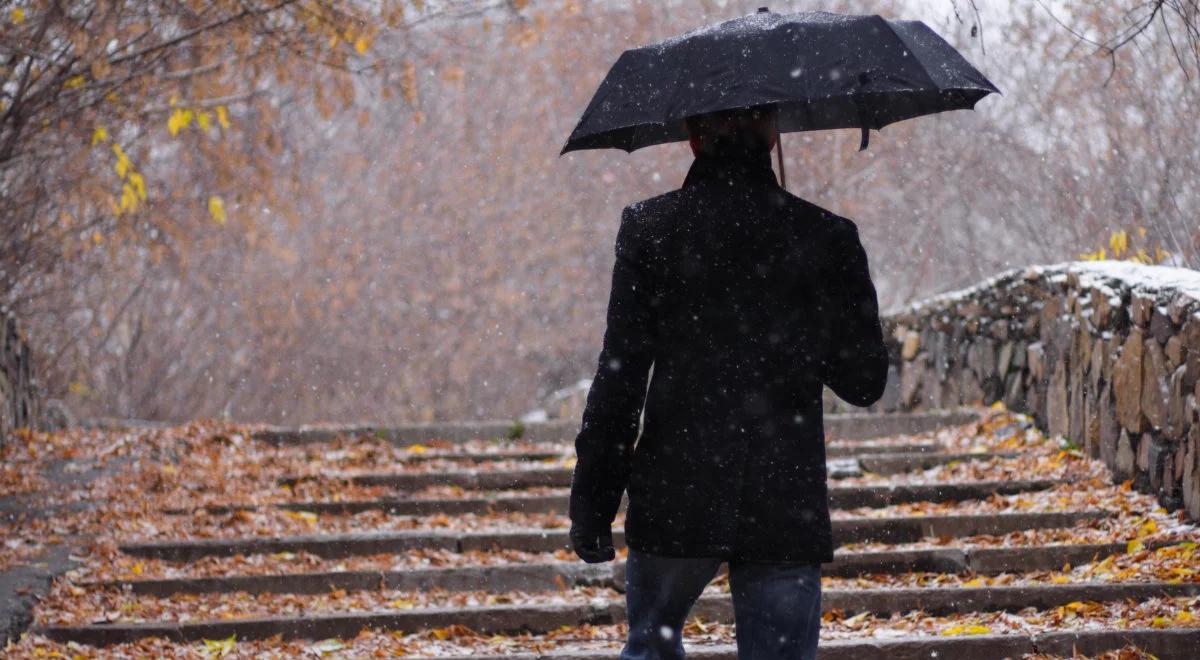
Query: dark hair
[735,128]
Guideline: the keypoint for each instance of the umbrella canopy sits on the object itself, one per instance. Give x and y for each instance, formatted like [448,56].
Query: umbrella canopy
[821,70]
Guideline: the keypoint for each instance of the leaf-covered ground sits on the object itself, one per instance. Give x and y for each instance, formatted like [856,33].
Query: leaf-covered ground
[159,484]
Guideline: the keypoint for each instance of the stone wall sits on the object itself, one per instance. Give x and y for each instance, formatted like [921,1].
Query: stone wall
[19,400]
[1106,354]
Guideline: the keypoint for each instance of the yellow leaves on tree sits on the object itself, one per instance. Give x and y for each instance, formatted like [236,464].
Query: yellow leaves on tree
[1121,249]
[216,209]
[179,120]
[122,165]
[17,16]
[133,185]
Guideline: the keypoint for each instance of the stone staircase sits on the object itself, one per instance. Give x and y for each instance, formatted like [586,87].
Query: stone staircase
[963,534]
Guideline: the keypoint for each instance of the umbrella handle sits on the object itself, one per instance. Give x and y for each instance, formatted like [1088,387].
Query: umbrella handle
[779,153]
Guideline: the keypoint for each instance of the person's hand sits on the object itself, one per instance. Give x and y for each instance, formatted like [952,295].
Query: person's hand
[594,546]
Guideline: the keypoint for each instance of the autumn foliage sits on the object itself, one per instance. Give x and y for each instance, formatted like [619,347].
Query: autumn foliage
[313,210]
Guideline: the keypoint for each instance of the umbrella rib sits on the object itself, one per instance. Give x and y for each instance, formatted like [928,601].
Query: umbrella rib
[913,51]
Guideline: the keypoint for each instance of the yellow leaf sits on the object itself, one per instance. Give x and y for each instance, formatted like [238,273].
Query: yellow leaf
[18,16]
[218,648]
[97,237]
[418,449]
[1060,579]
[180,119]
[1185,616]
[1160,622]
[139,185]
[74,82]
[1149,527]
[967,630]
[306,516]
[138,568]
[1134,546]
[977,582]
[1119,242]
[402,604]
[361,45]
[328,646]
[128,198]
[216,208]
[223,117]
[123,164]
[99,135]
[203,120]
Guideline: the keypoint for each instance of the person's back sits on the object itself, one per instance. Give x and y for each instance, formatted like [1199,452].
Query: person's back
[746,300]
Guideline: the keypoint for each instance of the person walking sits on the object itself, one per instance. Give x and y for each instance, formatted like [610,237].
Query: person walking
[733,303]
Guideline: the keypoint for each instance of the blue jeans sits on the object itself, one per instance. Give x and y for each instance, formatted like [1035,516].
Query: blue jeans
[776,606]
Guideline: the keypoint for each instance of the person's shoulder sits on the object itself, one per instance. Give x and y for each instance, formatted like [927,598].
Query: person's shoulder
[646,210]
[813,216]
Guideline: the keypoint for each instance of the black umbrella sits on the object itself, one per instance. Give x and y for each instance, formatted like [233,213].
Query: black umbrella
[821,70]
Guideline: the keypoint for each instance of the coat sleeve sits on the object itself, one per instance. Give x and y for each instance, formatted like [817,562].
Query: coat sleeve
[604,446]
[856,362]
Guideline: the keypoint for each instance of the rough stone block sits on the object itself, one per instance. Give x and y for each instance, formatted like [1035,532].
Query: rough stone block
[1127,382]
[1190,338]
[1036,356]
[1020,357]
[1096,368]
[1091,425]
[910,346]
[1155,385]
[1161,327]
[1014,392]
[1125,461]
[1191,474]
[1004,359]
[910,381]
[1175,352]
[1110,428]
[1057,402]
[1178,414]
[1179,307]
[1141,308]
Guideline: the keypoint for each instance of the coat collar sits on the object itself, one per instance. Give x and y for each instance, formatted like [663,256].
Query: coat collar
[741,166]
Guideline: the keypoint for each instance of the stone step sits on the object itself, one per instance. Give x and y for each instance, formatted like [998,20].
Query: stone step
[558,477]
[840,497]
[850,426]
[560,450]
[851,530]
[1167,644]
[538,618]
[552,575]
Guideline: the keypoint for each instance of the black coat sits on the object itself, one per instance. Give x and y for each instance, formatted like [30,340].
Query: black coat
[746,299]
